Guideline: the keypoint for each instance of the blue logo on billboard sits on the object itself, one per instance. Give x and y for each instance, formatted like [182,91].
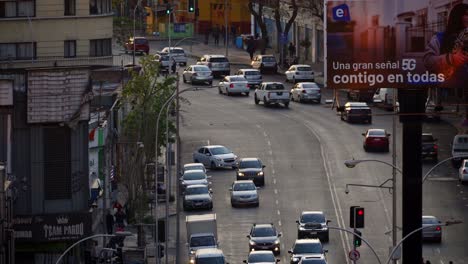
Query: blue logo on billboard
[341,13]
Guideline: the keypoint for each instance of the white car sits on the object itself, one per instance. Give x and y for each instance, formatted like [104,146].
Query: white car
[299,72]
[193,177]
[197,74]
[253,76]
[244,193]
[215,156]
[463,171]
[234,84]
[177,53]
[306,92]
[193,166]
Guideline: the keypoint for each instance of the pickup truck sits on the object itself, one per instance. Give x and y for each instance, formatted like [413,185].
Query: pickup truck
[429,147]
[272,93]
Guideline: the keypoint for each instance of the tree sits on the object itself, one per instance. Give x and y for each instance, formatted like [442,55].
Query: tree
[312,7]
[279,11]
[256,9]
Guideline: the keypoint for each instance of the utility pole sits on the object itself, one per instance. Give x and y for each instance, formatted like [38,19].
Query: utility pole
[226,28]
[178,160]
[394,173]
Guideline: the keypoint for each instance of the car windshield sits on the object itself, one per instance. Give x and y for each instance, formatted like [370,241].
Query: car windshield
[252,73]
[309,85]
[269,59]
[263,232]
[210,260]
[195,175]
[202,241]
[427,138]
[307,248]
[250,164]
[429,221]
[275,86]
[196,190]
[376,133]
[201,69]
[359,111]
[254,258]
[245,186]
[219,59]
[141,41]
[313,261]
[178,51]
[304,68]
[238,79]
[220,151]
[313,218]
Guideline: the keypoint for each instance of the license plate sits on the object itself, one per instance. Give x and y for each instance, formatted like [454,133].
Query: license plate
[313,233]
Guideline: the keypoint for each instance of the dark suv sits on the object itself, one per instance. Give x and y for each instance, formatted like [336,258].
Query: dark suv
[356,112]
[141,45]
[218,64]
[251,169]
[264,237]
[313,224]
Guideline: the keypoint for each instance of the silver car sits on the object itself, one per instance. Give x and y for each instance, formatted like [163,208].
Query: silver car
[178,54]
[234,84]
[244,193]
[164,62]
[433,233]
[193,177]
[197,196]
[306,248]
[261,257]
[306,92]
[299,72]
[253,76]
[215,156]
[219,64]
[193,166]
[197,74]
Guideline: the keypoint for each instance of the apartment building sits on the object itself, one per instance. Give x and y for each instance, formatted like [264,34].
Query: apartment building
[48,49]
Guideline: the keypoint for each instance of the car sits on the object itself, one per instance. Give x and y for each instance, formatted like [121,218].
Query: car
[197,196]
[313,224]
[177,53]
[433,233]
[262,256]
[234,84]
[164,62]
[253,76]
[306,92]
[433,111]
[300,72]
[313,260]
[219,64]
[209,256]
[272,93]
[361,95]
[197,74]
[265,63]
[215,156]
[141,45]
[376,139]
[355,112]
[193,177]
[429,148]
[463,171]
[244,193]
[311,247]
[264,237]
[251,169]
[193,166]
[459,149]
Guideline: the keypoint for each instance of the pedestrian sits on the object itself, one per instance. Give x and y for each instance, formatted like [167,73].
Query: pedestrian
[173,66]
[223,32]
[250,47]
[216,35]
[207,36]
[292,50]
[120,218]
[233,33]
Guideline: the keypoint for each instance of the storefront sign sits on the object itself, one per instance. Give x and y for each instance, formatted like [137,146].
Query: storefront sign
[52,227]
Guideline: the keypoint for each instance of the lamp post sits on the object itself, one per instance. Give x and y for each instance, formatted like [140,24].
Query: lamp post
[124,234]
[134,18]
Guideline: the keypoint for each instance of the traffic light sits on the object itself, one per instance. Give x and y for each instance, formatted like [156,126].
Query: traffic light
[191,6]
[168,9]
[356,213]
[160,251]
[357,241]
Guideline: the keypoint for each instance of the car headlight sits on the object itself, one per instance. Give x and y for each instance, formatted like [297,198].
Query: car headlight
[260,173]
[252,243]
[240,174]
[295,259]
[277,241]
[218,159]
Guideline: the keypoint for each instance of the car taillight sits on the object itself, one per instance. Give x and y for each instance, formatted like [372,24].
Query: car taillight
[231,85]
[436,147]
[247,85]
[438,228]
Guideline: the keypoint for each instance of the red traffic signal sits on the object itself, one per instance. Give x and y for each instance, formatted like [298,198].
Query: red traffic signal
[356,217]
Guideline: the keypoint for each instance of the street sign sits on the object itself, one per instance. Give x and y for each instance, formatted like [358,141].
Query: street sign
[354,255]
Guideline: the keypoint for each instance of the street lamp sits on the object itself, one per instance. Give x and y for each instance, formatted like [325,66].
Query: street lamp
[118,233]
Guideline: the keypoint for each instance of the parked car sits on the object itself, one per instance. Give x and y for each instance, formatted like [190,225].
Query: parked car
[376,139]
[193,166]
[177,53]
[356,112]
[164,62]
[361,95]
[264,237]
[197,74]
[197,196]
[313,224]
[193,177]
[265,63]
[219,64]
[215,156]
[306,248]
[429,147]
[384,97]
[251,169]
[253,76]
[272,93]
[261,257]
[459,149]
[234,84]
[432,111]
[433,233]
[244,193]
[141,45]
[299,72]
[463,171]
[306,92]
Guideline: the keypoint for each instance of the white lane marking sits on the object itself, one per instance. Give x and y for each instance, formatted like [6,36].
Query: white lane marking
[279,213]
[438,250]
[279,222]
[208,142]
[269,143]
[270,152]
[442,262]
[277,202]
[274,180]
[272,171]
[257,125]
[276,191]
[265,134]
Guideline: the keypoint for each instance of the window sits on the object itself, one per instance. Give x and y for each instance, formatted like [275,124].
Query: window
[17,8]
[69,49]
[98,7]
[17,51]
[100,47]
[70,7]
[57,163]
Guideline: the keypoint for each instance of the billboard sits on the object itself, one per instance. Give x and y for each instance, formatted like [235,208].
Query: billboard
[396,44]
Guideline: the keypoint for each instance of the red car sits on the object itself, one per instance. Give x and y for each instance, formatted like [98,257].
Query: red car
[376,139]
[141,45]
